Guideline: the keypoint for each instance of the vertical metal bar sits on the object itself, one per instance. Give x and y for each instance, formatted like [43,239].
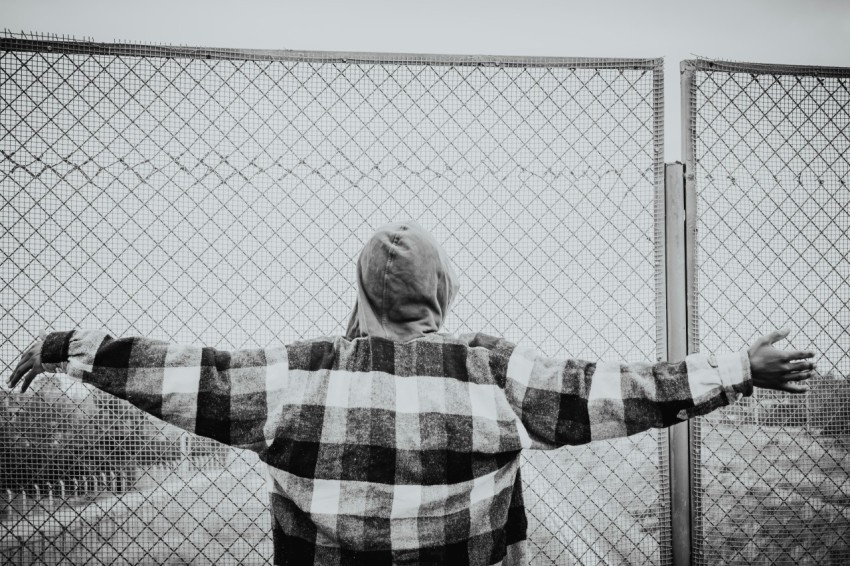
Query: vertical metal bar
[688,148]
[677,348]
[688,125]
[659,168]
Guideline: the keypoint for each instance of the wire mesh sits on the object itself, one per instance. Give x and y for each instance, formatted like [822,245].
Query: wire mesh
[771,154]
[221,197]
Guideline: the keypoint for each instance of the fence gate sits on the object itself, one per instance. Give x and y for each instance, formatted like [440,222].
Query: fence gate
[767,157]
[220,197]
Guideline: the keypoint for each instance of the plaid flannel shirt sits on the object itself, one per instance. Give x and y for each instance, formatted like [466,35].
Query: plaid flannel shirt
[383,452]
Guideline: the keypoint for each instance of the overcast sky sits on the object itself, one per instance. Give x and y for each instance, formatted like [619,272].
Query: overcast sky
[803,32]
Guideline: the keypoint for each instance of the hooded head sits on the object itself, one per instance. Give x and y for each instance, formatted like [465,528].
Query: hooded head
[405,285]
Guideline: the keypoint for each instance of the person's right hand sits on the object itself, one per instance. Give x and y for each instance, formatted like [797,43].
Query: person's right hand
[775,369]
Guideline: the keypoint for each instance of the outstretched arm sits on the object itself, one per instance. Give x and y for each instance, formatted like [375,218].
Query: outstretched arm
[221,395]
[575,401]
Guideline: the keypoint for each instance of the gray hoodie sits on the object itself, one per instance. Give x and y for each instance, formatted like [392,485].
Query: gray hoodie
[405,285]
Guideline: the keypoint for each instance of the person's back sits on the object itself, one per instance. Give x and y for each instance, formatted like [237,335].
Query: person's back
[397,452]
[396,443]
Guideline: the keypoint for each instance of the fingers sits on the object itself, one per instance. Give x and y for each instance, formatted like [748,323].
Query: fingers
[778,335]
[799,366]
[19,372]
[31,351]
[797,387]
[28,353]
[796,382]
[26,357]
[799,375]
[28,378]
[798,355]
[27,361]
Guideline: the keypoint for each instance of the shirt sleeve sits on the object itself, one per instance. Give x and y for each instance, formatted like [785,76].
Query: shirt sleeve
[226,396]
[571,401]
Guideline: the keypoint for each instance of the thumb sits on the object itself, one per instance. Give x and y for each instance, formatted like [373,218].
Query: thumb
[778,335]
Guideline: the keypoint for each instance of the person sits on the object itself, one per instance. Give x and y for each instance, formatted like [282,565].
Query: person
[398,443]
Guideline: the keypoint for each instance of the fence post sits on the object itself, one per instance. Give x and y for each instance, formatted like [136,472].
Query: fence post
[675,251]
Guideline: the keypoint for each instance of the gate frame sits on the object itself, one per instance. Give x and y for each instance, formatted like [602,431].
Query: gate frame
[682,307]
[47,43]
[680,271]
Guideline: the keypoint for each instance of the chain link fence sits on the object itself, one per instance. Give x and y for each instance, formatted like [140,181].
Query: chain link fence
[220,197]
[770,153]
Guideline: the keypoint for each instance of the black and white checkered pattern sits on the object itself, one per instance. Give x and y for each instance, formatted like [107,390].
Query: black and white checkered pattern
[383,452]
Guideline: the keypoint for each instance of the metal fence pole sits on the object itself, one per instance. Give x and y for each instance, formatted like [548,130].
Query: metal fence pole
[680,248]
[677,326]
[691,345]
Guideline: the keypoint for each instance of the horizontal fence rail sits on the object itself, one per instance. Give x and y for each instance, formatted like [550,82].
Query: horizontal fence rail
[769,153]
[220,197]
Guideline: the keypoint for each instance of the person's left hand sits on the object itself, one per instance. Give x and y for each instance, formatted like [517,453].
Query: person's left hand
[29,366]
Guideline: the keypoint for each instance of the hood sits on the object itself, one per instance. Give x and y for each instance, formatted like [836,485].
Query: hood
[405,285]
